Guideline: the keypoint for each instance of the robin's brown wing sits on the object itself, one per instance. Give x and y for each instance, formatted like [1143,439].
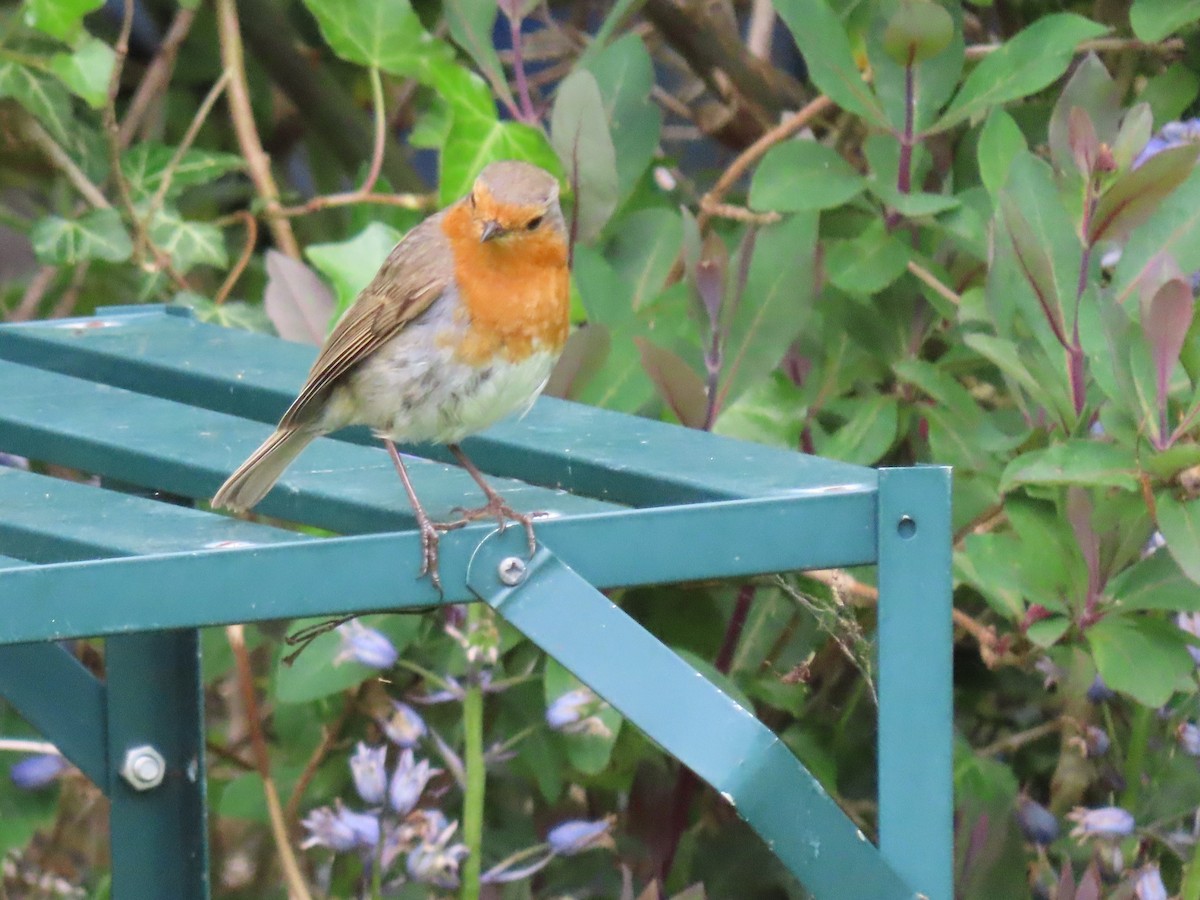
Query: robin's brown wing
[410,279]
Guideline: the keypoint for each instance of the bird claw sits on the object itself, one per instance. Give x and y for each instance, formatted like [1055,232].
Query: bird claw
[430,535]
[503,513]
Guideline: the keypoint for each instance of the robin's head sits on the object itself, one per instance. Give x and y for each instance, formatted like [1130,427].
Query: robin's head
[511,200]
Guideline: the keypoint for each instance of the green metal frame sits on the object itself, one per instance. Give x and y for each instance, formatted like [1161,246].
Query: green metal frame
[150,398]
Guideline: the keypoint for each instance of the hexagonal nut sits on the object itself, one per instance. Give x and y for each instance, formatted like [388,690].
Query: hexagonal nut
[144,767]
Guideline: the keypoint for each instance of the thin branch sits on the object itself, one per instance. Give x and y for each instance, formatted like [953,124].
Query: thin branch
[752,154]
[1168,47]
[933,282]
[240,111]
[528,113]
[298,890]
[381,122]
[247,251]
[185,144]
[329,736]
[66,303]
[34,292]
[1021,738]
[62,161]
[158,75]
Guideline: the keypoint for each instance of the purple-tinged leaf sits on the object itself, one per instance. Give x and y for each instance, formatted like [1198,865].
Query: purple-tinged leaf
[1089,884]
[1166,320]
[584,354]
[1132,199]
[1091,88]
[710,277]
[677,382]
[1035,263]
[1081,135]
[1066,882]
[1079,514]
[297,302]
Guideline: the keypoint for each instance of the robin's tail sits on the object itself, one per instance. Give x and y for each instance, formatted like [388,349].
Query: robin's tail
[256,475]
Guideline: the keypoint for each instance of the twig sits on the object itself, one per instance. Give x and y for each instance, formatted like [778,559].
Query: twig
[247,251]
[34,292]
[329,736]
[981,524]
[737,213]
[185,144]
[1021,738]
[112,131]
[755,152]
[229,756]
[158,74]
[66,303]
[933,282]
[528,113]
[236,635]
[238,98]
[61,161]
[1097,45]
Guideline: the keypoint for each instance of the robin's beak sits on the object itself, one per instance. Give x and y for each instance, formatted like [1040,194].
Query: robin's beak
[491,229]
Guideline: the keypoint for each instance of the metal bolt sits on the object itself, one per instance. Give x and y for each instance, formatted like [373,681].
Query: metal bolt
[512,570]
[144,767]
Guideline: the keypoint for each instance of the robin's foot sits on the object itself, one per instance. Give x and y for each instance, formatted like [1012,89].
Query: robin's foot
[497,509]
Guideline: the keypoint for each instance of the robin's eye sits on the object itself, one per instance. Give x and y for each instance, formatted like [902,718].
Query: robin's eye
[534,223]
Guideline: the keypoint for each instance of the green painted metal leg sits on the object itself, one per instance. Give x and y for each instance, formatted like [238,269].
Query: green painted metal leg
[916,803]
[687,715]
[160,835]
[55,694]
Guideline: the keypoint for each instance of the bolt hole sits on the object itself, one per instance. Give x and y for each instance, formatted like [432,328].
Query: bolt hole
[906,527]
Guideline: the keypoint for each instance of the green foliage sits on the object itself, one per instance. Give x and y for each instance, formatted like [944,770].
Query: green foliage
[967,255]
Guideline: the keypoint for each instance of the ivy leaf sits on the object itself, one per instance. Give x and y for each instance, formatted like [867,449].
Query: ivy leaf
[385,34]
[42,96]
[625,74]
[831,65]
[98,234]
[351,264]
[803,175]
[1022,65]
[59,18]
[580,135]
[1139,656]
[86,71]
[471,24]
[144,166]
[187,242]
[1076,461]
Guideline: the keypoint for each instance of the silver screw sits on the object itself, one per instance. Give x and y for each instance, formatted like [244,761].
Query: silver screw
[144,767]
[512,570]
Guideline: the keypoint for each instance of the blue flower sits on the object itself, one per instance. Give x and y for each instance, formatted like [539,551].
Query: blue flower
[577,835]
[1190,623]
[340,829]
[408,782]
[404,727]
[368,766]
[1188,735]
[365,646]
[1104,822]
[1100,692]
[36,772]
[436,861]
[1149,885]
[575,713]
[1171,135]
[1037,823]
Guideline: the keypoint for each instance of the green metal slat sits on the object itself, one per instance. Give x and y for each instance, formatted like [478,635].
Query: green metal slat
[160,444]
[916,704]
[583,449]
[379,572]
[55,694]
[7,562]
[743,760]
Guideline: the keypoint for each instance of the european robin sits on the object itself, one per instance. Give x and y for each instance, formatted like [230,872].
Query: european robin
[458,329]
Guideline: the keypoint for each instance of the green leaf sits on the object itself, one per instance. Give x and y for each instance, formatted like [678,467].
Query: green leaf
[826,49]
[865,265]
[1135,196]
[351,264]
[625,76]
[98,234]
[867,433]
[1155,582]
[934,78]
[58,18]
[86,71]
[1034,259]
[1075,461]
[916,205]
[145,164]
[644,250]
[590,749]
[471,23]
[769,412]
[230,314]
[477,137]
[386,34]
[986,562]
[579,133]
[189,243]
[1142,657]
[1174,230]
[315,675]
[1000,141]
[42,96]
[775,305]
[1170,92]
[1179,522]
[1153,20]
[1023,65]
[1093,90]
[803,175]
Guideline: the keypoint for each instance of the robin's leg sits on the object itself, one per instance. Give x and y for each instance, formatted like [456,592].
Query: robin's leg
[430,531]
[495,505]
